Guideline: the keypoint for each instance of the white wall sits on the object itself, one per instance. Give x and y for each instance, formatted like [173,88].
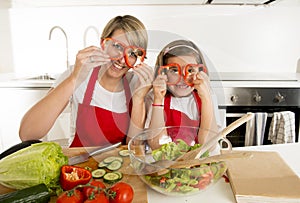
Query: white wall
[235,38]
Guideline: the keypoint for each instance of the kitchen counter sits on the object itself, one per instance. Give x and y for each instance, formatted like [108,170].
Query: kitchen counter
[223,79]
[239,79]
[13,80]
[221,192]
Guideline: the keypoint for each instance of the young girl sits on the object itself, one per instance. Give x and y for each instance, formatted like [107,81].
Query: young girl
[107,99]
[181,95]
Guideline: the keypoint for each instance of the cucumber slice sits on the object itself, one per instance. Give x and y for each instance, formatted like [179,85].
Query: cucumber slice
[124,153]
[112,158]
[98,173]
[115,165]
[119,174]
[102,164]
[111,178]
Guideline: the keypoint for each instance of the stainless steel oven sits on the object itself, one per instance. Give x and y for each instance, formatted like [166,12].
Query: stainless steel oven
[239,99]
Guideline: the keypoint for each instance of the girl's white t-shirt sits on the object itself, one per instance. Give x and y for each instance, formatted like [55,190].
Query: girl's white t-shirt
[100,98]
[186,105]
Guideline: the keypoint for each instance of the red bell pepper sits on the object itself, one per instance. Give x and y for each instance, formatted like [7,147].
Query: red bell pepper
[71,176]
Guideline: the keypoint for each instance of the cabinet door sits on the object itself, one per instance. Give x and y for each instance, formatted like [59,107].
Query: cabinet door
[14,103]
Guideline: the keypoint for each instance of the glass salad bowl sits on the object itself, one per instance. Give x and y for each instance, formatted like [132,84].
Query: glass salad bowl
[156,157]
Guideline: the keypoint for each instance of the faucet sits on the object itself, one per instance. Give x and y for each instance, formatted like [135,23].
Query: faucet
[86,31]
[67,47]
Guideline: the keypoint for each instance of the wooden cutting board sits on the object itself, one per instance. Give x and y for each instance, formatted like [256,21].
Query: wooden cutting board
[265,177]
[140,189]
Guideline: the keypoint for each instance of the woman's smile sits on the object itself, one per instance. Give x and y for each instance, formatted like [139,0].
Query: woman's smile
[116,66]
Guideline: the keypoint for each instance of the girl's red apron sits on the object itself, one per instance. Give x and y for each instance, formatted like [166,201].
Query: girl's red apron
[96,126]
[176,118]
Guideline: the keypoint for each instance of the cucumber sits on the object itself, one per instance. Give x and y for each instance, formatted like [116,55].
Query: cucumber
[98,173]
[124,153]
[102,164]
[35,194]
[111,178]
[115,165]
[119,174]
[112,158]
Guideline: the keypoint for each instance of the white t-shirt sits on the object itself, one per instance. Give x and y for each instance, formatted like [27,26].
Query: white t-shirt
[186,105]
[100,98]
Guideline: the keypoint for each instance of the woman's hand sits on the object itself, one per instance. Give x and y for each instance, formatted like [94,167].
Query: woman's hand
[202,84]
[86,59]
[145,75]
[159,88]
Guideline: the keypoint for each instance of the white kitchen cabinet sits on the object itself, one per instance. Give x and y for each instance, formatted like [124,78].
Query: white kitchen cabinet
[14,103]
[51,3]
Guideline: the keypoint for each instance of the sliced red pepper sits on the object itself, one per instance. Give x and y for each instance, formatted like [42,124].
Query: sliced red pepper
[71,176]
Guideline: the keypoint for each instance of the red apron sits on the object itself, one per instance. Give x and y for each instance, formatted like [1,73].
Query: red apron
[96,126]
[177,118]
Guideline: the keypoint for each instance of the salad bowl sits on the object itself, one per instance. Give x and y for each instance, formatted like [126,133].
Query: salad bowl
[154,154]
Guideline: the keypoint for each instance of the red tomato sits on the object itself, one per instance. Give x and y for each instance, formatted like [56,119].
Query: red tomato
[87,191]
[97,198]
[71,196]
[124,193]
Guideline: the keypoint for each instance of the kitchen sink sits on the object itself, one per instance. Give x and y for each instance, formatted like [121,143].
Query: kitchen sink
[39,77]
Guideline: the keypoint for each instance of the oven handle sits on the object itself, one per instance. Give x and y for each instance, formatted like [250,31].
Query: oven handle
[237,115]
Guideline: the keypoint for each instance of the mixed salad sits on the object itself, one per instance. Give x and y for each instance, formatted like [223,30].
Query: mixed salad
[184,180]
[172,150]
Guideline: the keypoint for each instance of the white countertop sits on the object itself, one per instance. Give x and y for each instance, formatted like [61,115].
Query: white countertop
[13,80]
[221,192]
[218,80]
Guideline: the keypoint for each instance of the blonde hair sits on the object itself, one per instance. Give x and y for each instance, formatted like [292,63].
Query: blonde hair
[178,48]
[134,29]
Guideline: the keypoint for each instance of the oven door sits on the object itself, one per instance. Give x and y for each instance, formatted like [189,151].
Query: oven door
[237,137]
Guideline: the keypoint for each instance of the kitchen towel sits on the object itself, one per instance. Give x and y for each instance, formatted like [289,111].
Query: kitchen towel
[282,128]
[255,129]
[260,126]
[250,132]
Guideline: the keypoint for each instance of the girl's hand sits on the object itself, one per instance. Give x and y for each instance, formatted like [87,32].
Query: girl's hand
[202,84]
[159,88]
[145,75]
[86,59]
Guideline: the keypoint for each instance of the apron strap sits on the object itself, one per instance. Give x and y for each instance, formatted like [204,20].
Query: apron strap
[198,102]
[127,95]
[90,87]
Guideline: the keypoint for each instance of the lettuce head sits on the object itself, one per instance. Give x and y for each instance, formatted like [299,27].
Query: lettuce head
[33,165]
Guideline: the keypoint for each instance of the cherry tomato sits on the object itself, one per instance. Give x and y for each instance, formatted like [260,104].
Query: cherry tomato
[71,196]
[87,191]
[97,198]
[124,193]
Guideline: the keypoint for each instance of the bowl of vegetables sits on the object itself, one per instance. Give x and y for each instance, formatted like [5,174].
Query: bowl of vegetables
[159,158]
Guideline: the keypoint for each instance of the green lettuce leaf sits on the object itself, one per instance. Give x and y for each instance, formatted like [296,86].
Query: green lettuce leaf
[36,164]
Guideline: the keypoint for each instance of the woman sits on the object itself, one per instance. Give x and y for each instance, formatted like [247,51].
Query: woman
[181,95]
[103,92]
